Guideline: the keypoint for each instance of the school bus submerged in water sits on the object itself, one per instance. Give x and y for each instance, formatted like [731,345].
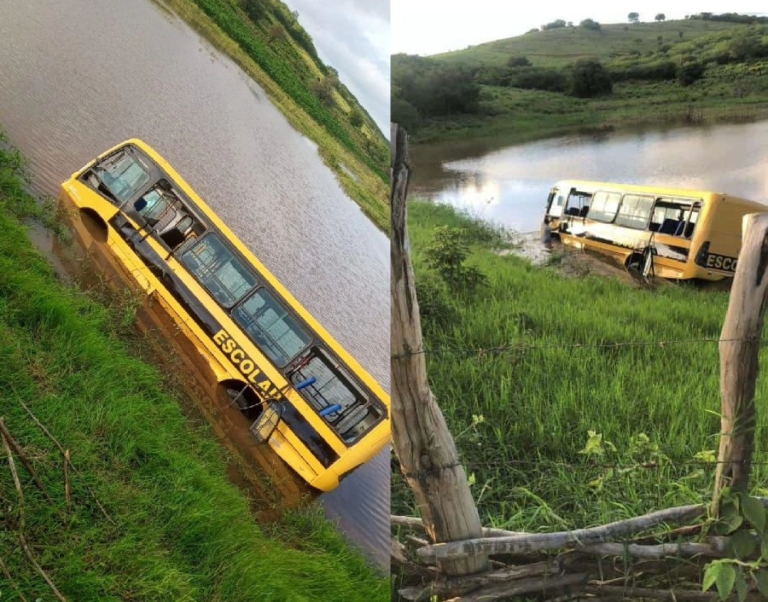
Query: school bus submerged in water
[291,383]
[668,232]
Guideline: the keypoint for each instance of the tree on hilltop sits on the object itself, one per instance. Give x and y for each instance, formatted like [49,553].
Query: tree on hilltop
[660,17]
[634,17]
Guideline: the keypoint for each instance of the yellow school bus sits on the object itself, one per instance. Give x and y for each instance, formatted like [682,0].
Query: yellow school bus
[300,391]
[667,232]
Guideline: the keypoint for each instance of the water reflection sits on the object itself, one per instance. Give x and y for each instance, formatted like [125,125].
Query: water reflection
[727,158]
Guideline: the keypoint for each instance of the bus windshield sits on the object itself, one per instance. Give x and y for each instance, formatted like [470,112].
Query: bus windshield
[122,175]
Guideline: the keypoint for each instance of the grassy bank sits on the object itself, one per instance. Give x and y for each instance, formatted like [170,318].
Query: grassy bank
[522,417]
[286,72]
[175,528]
[692,71]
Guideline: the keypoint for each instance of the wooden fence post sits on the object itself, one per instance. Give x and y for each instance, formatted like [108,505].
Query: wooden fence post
[420,436]
[739,347]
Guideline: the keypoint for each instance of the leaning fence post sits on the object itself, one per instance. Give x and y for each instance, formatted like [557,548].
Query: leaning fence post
[739,347]
[420,436]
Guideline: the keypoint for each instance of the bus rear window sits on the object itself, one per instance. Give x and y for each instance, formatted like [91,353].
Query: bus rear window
[122,175]
[219,271]
[331,393]
[271,327]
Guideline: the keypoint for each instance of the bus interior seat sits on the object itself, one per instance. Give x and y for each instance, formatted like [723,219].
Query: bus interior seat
[572,211]
[584,210]
[689,229]
[680,228]
[669,226]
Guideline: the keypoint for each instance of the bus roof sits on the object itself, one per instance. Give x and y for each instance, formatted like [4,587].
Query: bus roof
[704,195]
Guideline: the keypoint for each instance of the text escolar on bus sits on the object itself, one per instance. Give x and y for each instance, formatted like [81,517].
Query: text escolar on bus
[321,412]
[667,232]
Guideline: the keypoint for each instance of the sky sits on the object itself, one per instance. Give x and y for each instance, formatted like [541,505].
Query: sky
[431,26]
[353,37]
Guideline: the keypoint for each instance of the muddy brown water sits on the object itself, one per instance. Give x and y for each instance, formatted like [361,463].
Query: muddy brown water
[508,184]
[78,76]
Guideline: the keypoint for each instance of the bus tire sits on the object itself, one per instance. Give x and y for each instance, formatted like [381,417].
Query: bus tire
[635,262]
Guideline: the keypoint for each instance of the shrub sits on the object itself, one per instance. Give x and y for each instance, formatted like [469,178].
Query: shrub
[689,73]
[447,254]
[589,78]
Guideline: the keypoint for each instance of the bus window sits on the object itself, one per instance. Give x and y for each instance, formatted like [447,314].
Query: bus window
[692,219]
[635,211]
[669,216]
[578,203]
[122,175]
[218,270]
[604,206]
[332,395]
[271,327]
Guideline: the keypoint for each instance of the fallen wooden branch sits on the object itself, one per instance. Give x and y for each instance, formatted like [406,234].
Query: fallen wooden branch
[674,595]
[41,426]
[716,548]
[414,522]
[509,590]
[578,538]
[27,464]
[22,541]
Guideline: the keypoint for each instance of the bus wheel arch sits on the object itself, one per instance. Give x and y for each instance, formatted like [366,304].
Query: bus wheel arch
[635,262]
[95,224]
[239,394]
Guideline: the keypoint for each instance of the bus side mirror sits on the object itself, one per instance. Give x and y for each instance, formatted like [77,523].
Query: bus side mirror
[267,422]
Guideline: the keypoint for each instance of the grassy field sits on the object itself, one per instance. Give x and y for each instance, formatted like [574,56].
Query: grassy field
[286,72]
[522,417]
[734,86]
[559,47]
[177,529]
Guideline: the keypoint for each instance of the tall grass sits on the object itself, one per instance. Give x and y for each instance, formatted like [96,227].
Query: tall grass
[524,415]
[179,530]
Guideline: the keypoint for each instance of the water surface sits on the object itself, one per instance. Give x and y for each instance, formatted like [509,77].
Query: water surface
[509,184]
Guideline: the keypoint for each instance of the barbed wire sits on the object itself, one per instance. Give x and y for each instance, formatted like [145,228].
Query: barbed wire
[525,347]
[652,465]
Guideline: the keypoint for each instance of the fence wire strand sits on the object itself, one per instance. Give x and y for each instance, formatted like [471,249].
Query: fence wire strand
[524,347]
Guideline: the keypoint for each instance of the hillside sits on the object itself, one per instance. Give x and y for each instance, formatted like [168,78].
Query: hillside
[580,78]
[561,46]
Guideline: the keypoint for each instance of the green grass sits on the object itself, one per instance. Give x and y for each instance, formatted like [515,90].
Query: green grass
[522,417]
[181,530]
[285,72]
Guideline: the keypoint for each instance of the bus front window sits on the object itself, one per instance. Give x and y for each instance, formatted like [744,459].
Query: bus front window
[122,175]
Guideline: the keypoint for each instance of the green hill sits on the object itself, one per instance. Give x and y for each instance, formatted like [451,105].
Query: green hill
[561,46]
[571,78]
